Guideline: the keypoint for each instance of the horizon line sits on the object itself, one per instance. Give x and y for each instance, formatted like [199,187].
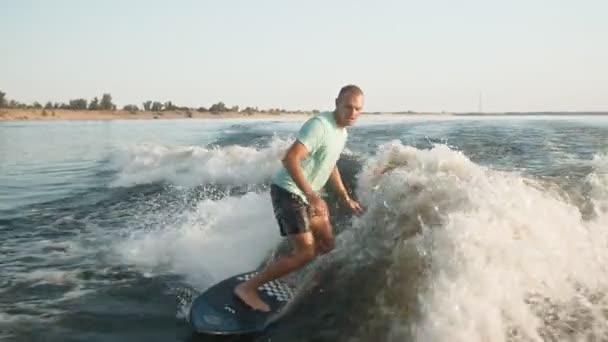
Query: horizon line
[278,108]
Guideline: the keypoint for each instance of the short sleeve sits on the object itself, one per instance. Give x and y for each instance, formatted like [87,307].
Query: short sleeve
[311,134]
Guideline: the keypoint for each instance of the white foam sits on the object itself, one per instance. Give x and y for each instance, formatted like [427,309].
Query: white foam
[494,243]
[191,165]
[220,238]
[598,180]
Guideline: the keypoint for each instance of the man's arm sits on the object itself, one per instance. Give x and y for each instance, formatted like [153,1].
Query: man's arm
[292,162]
[336,182]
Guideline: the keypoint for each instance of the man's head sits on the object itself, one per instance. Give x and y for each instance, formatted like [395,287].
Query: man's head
[349,105]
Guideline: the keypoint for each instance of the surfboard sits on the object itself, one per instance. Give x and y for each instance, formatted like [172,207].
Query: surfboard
[218,311]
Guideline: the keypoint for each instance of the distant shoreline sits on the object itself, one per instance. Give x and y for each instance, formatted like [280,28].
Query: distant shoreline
[11,114]
[8,114]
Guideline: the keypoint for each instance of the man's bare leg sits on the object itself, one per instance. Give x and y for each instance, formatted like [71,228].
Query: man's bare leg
[303,252]
[324,237]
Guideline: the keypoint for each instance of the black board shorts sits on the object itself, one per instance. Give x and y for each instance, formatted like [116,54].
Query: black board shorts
[290,210]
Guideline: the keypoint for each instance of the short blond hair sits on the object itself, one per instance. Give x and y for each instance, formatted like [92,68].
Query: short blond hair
[350,89]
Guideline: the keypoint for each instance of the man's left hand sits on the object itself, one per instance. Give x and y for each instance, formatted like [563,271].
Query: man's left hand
[353,205]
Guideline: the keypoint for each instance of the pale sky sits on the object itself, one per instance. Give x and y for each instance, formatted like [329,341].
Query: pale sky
[426,55]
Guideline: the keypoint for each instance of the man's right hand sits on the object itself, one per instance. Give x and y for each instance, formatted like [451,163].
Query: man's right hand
[317,205]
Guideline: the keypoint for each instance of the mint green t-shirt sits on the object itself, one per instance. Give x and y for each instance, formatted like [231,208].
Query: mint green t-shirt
[325,142]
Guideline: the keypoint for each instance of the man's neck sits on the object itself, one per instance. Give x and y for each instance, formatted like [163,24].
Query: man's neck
[335,114]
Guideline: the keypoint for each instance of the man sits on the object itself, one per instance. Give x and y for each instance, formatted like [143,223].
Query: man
[300,212]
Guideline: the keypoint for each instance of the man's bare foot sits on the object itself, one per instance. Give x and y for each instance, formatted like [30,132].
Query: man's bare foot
[250,297]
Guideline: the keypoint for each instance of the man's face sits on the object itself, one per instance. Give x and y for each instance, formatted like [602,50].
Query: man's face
[348,108]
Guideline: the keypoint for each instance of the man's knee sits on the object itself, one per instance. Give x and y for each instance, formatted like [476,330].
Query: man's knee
[320,224]
[325,221]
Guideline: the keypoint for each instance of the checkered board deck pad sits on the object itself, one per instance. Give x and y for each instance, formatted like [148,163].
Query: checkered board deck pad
[277,289]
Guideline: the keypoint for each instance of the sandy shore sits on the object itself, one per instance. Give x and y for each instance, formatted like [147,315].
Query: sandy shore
[7,114]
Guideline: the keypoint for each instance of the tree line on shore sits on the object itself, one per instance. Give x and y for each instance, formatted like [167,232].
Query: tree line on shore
[106,104]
